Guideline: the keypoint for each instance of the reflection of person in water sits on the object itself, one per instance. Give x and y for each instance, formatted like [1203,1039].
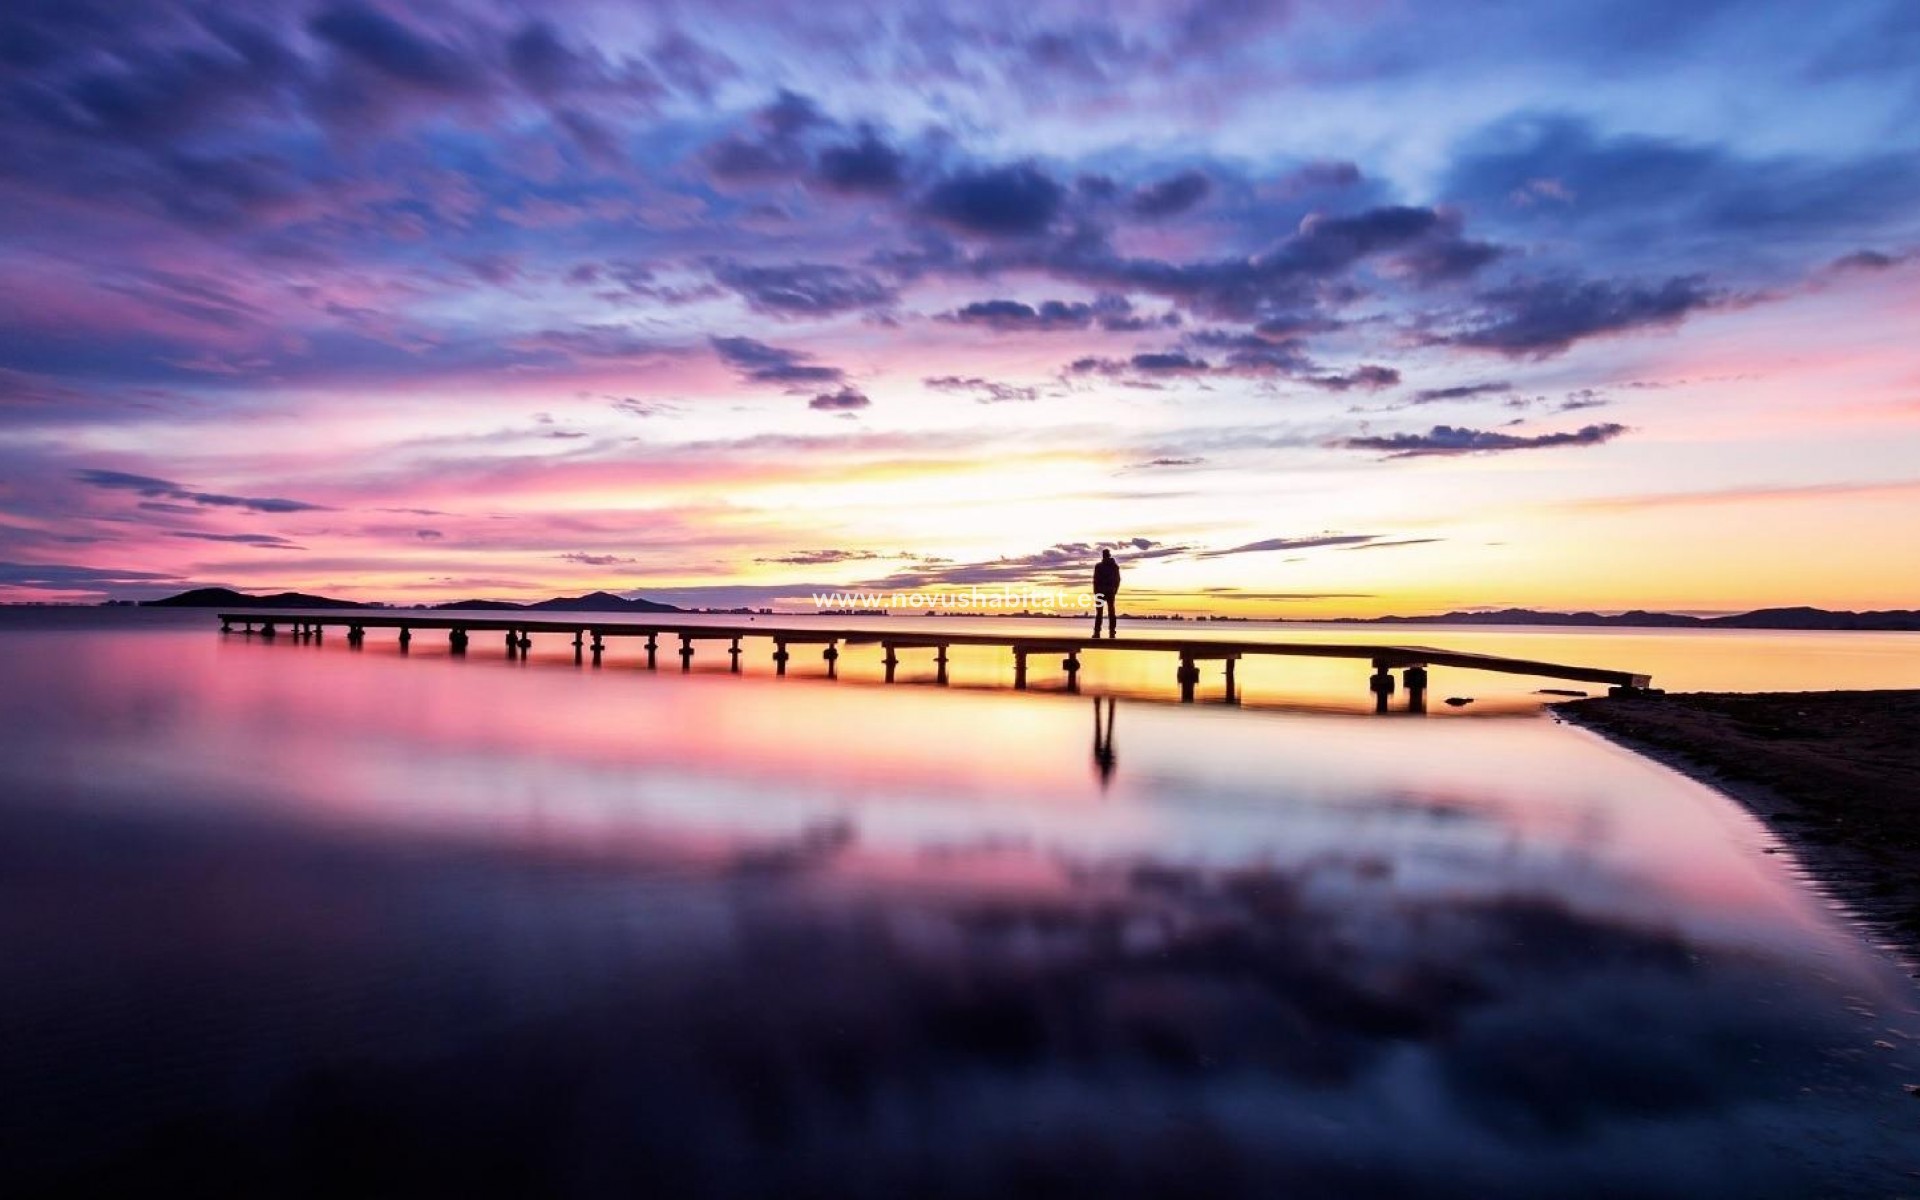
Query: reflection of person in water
[1103,759]
[1106,592]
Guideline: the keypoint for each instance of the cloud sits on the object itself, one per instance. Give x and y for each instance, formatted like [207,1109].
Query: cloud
[819,558]
[1866,260]
[376,40]
[596,560]
[1312,542]
[865,165]
[266,541]
[1064,563]
[983,391]
[804,289]
[1367,377]
[760,363]
[1170,196]
[64,577]
[1464,391]
[775,147]
[1010,201]
[1157,363]
[1545,317]
[847,399]
[162,489]
[1449,439]
[1646,199]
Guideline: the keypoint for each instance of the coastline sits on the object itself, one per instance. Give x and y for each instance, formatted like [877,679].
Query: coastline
[1834,775]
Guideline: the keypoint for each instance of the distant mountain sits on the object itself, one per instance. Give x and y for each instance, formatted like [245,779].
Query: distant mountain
[228,598]
[1765,618]
[601,602]
[592,602]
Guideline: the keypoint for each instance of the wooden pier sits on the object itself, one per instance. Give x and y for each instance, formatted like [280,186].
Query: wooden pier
[590,638]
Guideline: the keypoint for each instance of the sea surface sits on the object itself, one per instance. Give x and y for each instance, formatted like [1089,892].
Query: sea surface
[300,918]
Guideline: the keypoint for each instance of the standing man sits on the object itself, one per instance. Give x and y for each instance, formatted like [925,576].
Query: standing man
[1106,591]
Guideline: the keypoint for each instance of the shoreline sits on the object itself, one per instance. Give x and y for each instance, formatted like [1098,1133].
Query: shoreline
[1835,776]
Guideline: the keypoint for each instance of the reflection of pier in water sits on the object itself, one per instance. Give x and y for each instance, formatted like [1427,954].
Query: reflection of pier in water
[591,638]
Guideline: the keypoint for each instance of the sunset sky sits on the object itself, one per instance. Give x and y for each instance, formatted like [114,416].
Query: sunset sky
[1305,308]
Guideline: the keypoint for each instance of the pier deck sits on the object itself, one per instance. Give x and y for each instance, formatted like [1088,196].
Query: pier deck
[590,637]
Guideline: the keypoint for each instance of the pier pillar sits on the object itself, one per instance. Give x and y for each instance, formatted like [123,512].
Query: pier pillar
[224,626]
[1019,668]
[832,655]
[526,643]
[406,638]
[513,643]
[249,628]
[1188,676]
[780,657]
[598,646]
[457,640]
[579,645]
[891,661]
[686,653]
[267,630]
[653,650]
[1416,680]
[940,664]
[316,627]
[1381,685]
[1071,664]
[356,635]
[1233,693]
[734,655]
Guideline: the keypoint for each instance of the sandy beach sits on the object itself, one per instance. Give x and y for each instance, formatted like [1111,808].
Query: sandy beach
[1833,773]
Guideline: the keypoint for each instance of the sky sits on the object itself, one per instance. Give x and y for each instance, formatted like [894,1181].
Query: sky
[1303,309]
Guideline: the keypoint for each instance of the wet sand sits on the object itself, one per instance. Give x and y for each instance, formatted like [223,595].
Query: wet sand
[1835,774]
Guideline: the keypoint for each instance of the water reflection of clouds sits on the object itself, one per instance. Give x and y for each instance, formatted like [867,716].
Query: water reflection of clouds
[718,935]
[771,1024]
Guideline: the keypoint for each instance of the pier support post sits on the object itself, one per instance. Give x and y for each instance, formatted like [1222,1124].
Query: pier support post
[1381,685]
[406,638]
[1071,665]
[832,655]
[686,653]
[734,655]
[780,657]
[457,640]
[356,635]
[317,627]
[225,627]
[513,643]
[267,630]
[579,645]
[1189,675]
[249,628]
[891,661]
[1416,680]
[598,647]
[1019,668]
[940,664]
[653,650]
[1233,693]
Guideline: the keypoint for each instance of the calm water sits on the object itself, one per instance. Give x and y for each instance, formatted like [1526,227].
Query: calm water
[300,919]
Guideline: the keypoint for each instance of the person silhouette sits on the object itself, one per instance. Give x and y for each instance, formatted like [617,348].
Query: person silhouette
[1106,592]
[1104,759]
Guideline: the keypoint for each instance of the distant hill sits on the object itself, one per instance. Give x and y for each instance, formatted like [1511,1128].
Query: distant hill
[214,597]
[1764,618]
[483,605]
[592,602]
